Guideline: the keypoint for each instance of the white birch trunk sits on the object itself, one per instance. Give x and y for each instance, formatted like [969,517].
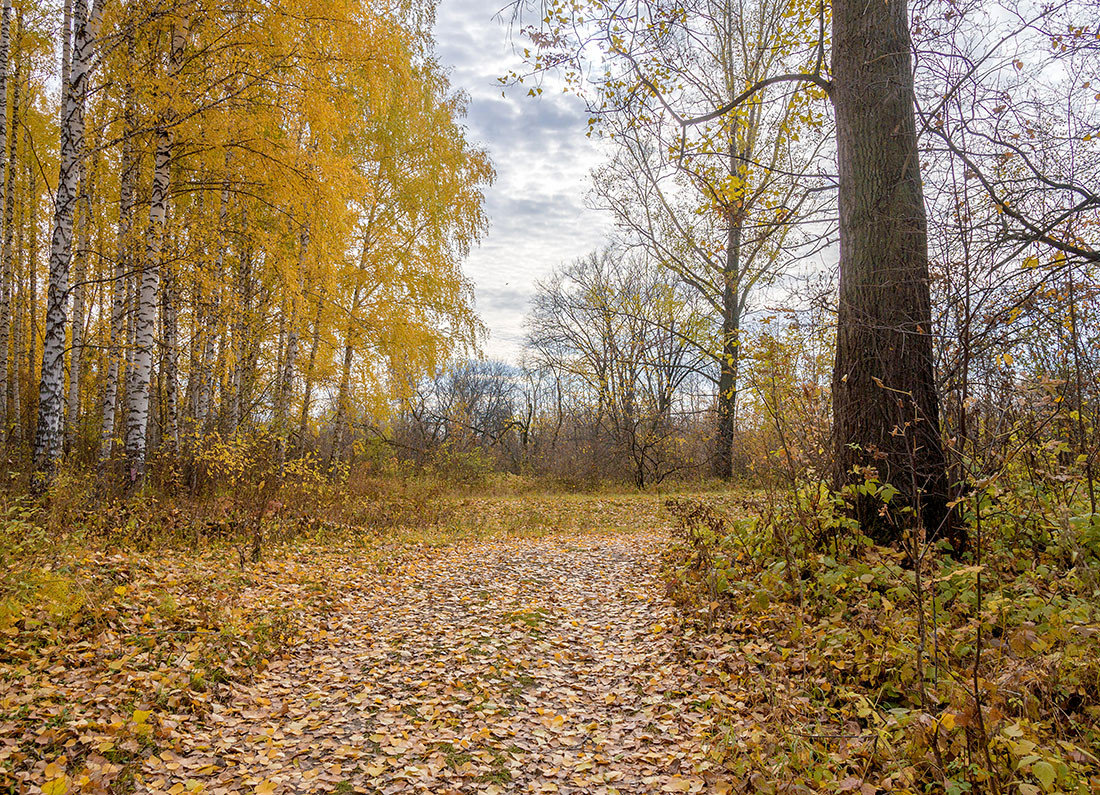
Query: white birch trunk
[204,339]
[28,234]
[170,358]
[235,406]
[206,385]
[66,42]
[79,291]
[121,281]
[199,325]
[307,396]
[15,254]
[286,384]
[6,188]
[137,419]
[340,425]
[47,442]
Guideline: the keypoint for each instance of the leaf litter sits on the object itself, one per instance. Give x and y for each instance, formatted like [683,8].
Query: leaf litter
[506,665]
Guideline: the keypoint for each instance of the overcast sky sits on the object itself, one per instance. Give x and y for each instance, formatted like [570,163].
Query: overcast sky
[542,157]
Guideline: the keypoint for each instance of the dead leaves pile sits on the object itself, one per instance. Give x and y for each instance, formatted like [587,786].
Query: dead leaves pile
[513,665]
[122,653]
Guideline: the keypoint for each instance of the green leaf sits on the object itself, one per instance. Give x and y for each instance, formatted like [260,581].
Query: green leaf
[1045,774]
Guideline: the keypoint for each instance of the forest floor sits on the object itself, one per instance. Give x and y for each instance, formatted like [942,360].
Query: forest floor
[536,654]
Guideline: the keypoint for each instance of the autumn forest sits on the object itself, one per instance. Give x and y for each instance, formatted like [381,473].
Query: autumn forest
[789,484]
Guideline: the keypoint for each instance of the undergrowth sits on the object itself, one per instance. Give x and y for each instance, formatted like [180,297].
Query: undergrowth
[849,669]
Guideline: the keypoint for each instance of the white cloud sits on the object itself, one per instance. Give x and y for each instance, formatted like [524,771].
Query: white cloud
[542,157]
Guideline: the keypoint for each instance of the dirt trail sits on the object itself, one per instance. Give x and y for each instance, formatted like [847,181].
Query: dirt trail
[513,665]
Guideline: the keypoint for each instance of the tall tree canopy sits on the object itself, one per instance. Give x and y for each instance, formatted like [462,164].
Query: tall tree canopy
[259,216]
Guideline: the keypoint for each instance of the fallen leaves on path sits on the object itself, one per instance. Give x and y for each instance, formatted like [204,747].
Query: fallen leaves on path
[511,665]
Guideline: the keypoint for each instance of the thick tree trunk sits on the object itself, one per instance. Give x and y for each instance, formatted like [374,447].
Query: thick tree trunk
[732,267]
[886,409]
[730,354]
[137,410]
[47,443]
[66,42]
[137,419]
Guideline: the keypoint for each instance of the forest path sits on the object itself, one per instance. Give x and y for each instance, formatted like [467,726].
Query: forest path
[509,665]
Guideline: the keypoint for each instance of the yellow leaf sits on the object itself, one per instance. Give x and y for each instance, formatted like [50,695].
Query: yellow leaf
[265,788]
[59,786]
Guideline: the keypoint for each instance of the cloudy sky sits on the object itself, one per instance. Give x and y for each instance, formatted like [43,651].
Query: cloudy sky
[542,157]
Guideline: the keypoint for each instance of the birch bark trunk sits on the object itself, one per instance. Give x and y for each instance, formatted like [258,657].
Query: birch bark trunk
[121,281]
[47,443]
[235,406]
[206,385]
[5,191]
[286,382]
[80,270]
[11,396]
[14,252]
[137,419]
[169,366]
[307,397]
[339,427]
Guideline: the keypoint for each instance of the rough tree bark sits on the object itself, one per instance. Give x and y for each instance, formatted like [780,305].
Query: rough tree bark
[885,404]
[729,356]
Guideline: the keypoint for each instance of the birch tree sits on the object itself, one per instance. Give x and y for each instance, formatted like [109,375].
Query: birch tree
[5,179]
[137,418]
[48,435]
